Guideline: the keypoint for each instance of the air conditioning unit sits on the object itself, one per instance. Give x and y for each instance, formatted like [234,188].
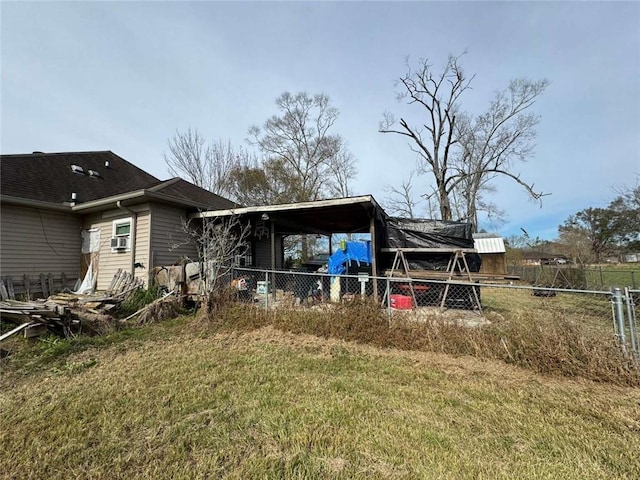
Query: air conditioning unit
[119,243]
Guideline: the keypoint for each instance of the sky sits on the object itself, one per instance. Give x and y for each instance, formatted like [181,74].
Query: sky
[125,76]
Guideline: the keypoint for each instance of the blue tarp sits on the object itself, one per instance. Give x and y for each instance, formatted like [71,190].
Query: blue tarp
[359,252]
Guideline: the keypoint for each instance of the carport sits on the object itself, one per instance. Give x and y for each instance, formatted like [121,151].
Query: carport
[270,223]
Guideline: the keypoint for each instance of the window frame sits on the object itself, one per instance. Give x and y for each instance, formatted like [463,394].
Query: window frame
[114,229]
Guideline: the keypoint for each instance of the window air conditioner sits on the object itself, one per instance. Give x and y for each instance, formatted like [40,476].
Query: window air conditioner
[119,243]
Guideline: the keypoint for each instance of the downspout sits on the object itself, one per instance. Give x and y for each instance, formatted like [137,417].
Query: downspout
[134,222]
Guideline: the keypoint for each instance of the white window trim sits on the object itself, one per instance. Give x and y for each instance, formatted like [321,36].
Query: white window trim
[114,225]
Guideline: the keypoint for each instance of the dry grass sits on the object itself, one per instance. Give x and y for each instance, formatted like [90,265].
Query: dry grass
[544,340]
[329,392]
[160,310]
[270,404]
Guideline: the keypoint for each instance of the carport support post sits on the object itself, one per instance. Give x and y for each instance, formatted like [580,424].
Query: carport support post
[273,259]
[374,266]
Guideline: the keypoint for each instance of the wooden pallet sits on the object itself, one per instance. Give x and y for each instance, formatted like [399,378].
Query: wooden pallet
[123,283]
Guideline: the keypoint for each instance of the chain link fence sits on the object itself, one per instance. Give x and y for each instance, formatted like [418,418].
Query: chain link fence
[600,311]
[572,276]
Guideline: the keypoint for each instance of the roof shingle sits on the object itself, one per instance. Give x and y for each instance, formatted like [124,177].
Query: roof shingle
[48,177]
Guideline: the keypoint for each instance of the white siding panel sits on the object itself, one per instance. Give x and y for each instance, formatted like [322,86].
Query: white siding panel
[34,241]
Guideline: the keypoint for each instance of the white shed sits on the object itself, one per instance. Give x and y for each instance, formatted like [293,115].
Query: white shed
[492,252]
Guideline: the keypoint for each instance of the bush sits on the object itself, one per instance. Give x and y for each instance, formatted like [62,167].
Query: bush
[138,299]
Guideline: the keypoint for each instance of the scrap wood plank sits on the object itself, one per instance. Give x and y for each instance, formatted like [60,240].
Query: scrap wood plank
[122,281]
[10,290]
[19,328]
[113,280]
[3,291]
[43,284]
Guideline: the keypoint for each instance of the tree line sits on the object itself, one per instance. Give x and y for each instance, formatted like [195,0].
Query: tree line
[594,234]
[295,156]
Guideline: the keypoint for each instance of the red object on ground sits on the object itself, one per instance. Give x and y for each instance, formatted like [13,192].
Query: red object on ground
[401,302]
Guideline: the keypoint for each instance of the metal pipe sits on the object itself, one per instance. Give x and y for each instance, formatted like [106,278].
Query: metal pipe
[619,314]
[632,322]
[388,295]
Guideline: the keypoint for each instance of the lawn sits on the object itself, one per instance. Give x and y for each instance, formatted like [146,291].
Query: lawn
[185,401]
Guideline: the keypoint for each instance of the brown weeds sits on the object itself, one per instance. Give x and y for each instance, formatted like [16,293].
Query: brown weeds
[546,345]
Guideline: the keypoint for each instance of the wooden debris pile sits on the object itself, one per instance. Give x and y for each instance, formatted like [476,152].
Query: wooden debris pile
[36,318]
[67,314]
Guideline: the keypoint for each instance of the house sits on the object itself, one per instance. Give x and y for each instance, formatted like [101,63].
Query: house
[61,212]
[535,257]
[492,251]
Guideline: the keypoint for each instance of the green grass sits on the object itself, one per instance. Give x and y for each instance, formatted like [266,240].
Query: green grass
[204,403]
[591,277]
[613,276]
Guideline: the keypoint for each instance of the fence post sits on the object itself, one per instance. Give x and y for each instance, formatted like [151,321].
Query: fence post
[388,295]
[266,291]
[619,317]
[632,322]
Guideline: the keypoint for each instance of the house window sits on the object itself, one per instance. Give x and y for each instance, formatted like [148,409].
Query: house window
[121,235]
[121,229]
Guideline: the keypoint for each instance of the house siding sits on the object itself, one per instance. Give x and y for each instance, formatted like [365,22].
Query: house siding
[262,255]
[109,262]
[168,241]
[34,241]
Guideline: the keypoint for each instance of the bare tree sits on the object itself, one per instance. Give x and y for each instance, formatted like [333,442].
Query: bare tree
[438,94]
[493,141]
[462,152]
[402,201]
[343,169]
[301,154]
[303,160]
[207,165]
[218,241]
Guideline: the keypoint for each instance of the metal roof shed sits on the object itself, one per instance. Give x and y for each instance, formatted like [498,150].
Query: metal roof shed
[493,253]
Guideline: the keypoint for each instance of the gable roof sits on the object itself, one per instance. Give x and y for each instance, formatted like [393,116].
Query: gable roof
[103,178]
[48,177]
[179,188]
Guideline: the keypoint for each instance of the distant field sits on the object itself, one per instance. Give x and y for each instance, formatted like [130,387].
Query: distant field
[625,275]
[591,277]
[183,401]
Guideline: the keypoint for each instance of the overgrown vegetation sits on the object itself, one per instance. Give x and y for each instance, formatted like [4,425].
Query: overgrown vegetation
[140,298]
[536,340]
[178,402]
